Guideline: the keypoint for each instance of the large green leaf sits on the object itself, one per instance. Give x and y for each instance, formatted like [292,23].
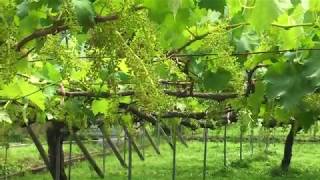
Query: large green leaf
[216,80]
[234,6]
[23,89]
[284,80]
[50,72]
[263,14]
[100,106]
[312,68]
[255,99]
[306,117]
[217,5]
[85,13]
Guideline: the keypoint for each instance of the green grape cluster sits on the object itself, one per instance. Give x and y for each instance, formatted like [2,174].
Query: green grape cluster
[131,38]
[56,51]
[218,42]
[8,60]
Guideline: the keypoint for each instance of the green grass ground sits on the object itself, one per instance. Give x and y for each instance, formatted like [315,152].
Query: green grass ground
[305,164]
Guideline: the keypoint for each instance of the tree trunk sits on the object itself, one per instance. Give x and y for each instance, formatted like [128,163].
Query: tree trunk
[287,154]
[55,146]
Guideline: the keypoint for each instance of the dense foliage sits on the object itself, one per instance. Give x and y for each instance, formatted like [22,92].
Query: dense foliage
[79,60]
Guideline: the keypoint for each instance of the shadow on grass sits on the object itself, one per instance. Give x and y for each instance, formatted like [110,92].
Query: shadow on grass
[293,173]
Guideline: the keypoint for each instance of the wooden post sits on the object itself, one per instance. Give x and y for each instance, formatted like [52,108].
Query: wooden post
[40,148]
[205,137]
[151,140]
[88,156]
[58,158]
[133,143]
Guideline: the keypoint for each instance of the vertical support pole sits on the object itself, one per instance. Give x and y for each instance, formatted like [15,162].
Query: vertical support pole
[88,156]
[251,139]
[225,146]
[70,156]
[104,155]
[40,149]
[124,147]
[174,140]
[142,141]
[205,137]
[129,156]
[6,148]
[241,143]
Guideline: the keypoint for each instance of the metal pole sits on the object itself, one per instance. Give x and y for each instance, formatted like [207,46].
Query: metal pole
[129,156]
[104,155]
[6,161]
[241,139]
[70,156]
[205,137]
[173,134]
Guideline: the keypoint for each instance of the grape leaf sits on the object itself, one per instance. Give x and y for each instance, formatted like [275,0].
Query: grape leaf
[255,99]
[216,80]
[217,5]
[285,81]
[50,73]
[20,88]
[85,13]
[100,106]
[312,68]
[263,14]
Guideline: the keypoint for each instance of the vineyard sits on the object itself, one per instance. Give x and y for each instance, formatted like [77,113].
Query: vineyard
[159,89]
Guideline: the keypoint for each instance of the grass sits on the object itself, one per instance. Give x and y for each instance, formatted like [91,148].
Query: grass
[260,165]
[26,157]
